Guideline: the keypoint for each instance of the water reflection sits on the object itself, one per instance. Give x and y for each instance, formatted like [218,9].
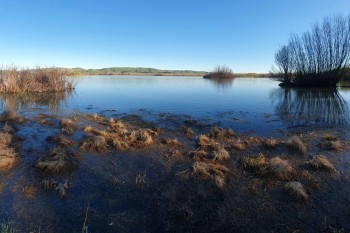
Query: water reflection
[305,106]
[50,100]
[222,84]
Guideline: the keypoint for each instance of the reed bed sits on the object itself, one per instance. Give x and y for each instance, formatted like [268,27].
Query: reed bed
[18,80]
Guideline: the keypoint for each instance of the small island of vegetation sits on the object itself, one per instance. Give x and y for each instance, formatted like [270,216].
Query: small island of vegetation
[318,58]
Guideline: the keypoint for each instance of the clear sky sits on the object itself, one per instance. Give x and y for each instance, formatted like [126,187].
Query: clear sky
[165,34]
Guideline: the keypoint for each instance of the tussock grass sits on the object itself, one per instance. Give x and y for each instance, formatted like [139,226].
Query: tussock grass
[220,133]
[238,144]
[66,123]
[297,190]
[15,80]
[321,162]
[189,132]
[295,143]
[141,138]
[332,145]
[8,155]
[60,140]
[221,154]
[59,161]
[117,126]
[204,142]
[199,155]
[255,162]
[120,145]
[95,143]
[253,140]
[67,130]
[271,143]
[5,139]
[280,168]
[171,142]
[216,172]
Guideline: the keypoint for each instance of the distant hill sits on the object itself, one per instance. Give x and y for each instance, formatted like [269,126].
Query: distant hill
[132,71]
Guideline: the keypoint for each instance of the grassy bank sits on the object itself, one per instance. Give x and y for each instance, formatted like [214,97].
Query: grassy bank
[17,80]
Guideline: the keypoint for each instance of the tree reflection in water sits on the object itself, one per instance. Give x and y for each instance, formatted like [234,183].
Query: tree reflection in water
[222,84]
[308,106]
[50,100]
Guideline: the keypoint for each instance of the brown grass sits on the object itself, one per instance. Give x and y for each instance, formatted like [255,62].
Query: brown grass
[238,144]
[12,116]
[15,80]
[117,126]
[255,162]
[141,138]
[220,133]
[67,123]
[205,142]
[60,140]
[321,162]
[171,142]
[297,190]
[199,155]
[59,161]
[120,145]
[8,157]
[67,130]
[95,143]
[280,168]
[296,143]
[5,139]
[189,132]
[216,172]
[221,154]
[271,143]
[332,145]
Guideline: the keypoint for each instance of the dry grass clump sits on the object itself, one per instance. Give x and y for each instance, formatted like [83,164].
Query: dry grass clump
[297,190]
[117,126]
[9,115]
[5,139]
[8,157]
[220,133]
[296,143]
[331,145]
[171,142]
[67,130]
[15,80]
[95,143]
[205,142]
[321,162]
[120,145]
[280,168]
[238,144]
[141,138]
[67,123]
[60,140]
[59,161]
[7,128]
[221,154]
[189,132]
[255,162]
[253,140]
[329,137]
[271,143]
[199,155]
[216,172]
[48,184]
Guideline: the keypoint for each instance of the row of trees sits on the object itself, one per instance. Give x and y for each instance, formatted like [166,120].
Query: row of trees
[319,57]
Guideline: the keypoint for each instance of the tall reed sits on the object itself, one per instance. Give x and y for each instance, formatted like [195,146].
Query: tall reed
[14,79]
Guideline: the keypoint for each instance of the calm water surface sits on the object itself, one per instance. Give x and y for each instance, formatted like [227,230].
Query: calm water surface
[256,104]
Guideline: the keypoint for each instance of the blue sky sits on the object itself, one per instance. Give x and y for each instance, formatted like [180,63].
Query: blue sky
[165,34]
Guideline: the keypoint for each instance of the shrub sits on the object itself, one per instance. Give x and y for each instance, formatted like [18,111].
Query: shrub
[220,72]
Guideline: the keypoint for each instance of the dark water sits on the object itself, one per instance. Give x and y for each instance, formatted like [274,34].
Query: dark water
[256,104]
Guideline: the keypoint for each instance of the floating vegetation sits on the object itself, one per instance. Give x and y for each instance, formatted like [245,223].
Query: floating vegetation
[297,190]
[59,161]
[213,171]
[295,143]
[94,143]
[321,162]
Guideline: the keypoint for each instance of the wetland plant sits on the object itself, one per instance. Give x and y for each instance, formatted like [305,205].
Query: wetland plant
[295,143]
[15,80]
[279,168]
[220,72]
[208,170]
[297,189]
[321,162]
[94,143]
[256,163]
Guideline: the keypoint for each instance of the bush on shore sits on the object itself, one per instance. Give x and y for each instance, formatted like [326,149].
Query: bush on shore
[15,80]
[220,72]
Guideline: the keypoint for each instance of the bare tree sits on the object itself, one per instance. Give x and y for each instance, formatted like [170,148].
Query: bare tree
[318,58]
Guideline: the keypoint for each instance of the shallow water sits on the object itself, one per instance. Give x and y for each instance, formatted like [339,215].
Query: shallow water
[246,104]
[168,200]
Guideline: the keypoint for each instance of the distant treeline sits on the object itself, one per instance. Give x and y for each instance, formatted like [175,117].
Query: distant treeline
[146,71]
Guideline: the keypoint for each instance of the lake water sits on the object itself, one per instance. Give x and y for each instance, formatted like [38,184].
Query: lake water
[246,104]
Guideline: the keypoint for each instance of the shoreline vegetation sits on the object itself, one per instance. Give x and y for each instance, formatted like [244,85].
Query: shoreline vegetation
[14,79]
[318,58]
